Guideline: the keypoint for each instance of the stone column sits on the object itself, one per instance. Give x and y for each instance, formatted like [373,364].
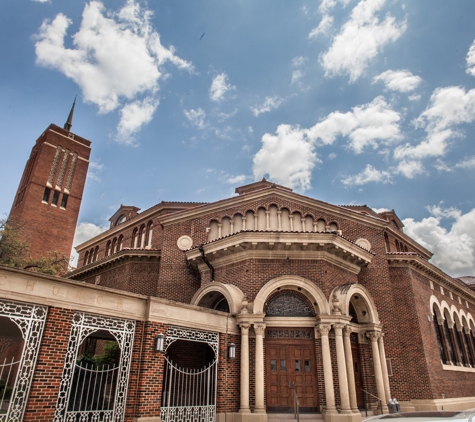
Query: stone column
[244,222]
[384,368]
[349,368]
[378,374]
[279,220]
[291,221]
[267,220]
[327,368]
[220,229]
[244,408]
[342,372]
[259,362]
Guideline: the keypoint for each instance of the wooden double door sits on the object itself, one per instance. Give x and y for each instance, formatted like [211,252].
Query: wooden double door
[290,362]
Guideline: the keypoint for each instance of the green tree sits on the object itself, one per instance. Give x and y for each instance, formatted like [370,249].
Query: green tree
[14,252]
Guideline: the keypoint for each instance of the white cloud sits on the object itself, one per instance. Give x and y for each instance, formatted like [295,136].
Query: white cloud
[399,80]
[323,27]
[234,180]
[467,163]
[93,170]
[369,174]
[471,60]
[414,97]
[364,126]
[327,5]
[410,168]
[453,248]
[196,117]
[441,166]
[380,210]
[133,116]
[298,63]
[287,158]
[219,87]
[116,56]
[84,232]
[448,107]
[225,116]
[360,40]
[296,76]
[41,1]
[269,104]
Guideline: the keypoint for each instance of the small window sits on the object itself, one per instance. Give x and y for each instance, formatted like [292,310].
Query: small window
[55,198]
[307,366]
[64,201]
[46,195]
[297,366]
[283,365]
[273,365]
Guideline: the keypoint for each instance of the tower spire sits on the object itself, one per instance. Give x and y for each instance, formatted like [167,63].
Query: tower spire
[69,123]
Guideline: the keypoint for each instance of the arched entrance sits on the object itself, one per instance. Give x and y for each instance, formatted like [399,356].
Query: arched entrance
[290,352]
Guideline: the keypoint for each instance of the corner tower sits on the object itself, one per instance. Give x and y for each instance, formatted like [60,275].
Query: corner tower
[47,202]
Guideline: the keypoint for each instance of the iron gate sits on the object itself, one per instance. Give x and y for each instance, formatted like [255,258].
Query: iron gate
[189,394]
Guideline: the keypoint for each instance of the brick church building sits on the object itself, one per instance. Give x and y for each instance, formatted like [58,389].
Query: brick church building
[225,311]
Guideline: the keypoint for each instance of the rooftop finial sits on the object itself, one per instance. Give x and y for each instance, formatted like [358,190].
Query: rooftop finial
[69,123]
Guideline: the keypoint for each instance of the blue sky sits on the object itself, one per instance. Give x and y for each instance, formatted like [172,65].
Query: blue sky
[348,101]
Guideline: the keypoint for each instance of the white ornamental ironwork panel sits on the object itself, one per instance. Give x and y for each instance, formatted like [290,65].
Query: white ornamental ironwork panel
[189,394]
[30,319]
[91,397]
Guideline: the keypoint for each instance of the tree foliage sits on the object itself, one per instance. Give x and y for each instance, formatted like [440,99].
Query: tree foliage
[15,252]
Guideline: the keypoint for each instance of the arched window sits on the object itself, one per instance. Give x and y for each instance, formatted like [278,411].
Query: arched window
[133,243]
[438,332]
[120,242]
[321,225]
[148,235]
[386,241]
[91,256]
[141,238]
[289,303]
[86,256]
[458,341]
[333,227]
[108,248]
[114,246]
[398,248]
[96,253]
[448,340]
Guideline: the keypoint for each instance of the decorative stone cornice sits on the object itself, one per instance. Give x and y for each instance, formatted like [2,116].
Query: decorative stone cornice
[119,257]
[278,245]
[420,265]
[273,191]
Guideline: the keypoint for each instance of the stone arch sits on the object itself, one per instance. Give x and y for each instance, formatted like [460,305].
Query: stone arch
[309,289]
[364,304]
[435,305]
[231,293]
[443,308]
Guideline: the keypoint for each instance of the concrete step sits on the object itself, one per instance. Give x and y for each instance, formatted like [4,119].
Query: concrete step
[304,417]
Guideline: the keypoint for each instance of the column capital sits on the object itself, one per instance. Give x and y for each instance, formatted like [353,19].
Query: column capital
[347,330]
[373,335]
[259,328]
[244,328]
[324,329]
[338,327]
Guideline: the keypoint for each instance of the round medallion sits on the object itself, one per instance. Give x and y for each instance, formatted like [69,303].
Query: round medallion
[184,243]
[364,243]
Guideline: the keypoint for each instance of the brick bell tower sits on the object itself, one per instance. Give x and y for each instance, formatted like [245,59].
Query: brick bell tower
[47,202]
